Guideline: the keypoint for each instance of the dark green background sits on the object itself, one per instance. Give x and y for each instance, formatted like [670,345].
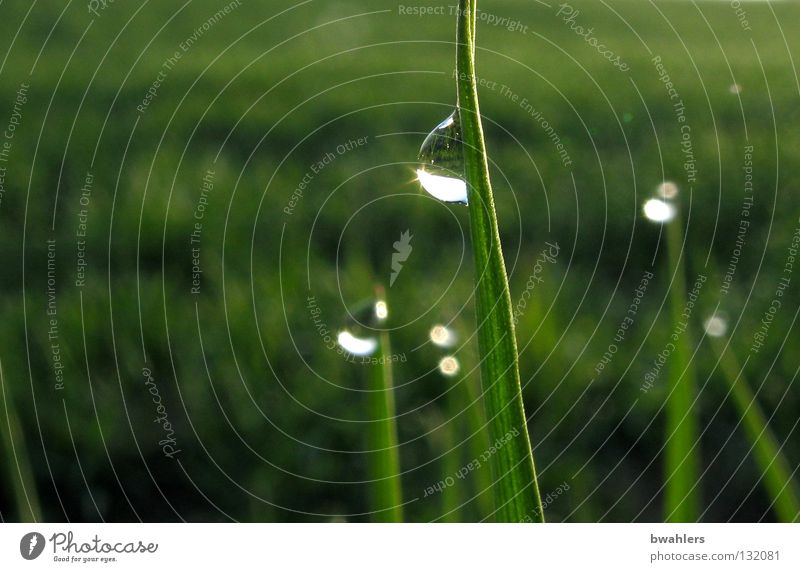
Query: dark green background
[261,409]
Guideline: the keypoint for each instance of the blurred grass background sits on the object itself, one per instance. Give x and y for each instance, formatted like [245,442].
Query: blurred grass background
[268,420]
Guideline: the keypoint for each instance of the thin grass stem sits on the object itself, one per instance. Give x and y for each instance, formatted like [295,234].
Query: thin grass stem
[516,489]
[776,472]
[681,460]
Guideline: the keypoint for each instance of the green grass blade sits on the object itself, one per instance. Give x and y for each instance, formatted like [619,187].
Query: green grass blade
[516,490]
[452,462]
[384,462]
[775,469]
[681,463]
[18,462]
[479,444]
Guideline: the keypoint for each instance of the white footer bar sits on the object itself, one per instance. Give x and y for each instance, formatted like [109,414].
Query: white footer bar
[401,548]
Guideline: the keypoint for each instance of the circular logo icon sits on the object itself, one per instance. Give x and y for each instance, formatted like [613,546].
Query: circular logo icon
[31,545]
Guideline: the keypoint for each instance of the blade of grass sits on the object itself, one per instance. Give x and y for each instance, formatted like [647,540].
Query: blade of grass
[775,469]
[479,444]
[516,490]
[25,496]
[681,464]
[386,491]
[451,463]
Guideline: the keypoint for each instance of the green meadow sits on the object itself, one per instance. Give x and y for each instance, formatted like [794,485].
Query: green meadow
[195,202]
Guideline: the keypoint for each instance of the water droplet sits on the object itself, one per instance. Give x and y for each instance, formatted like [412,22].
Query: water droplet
[667,190]
[441,170]
[443,336]
[381,310]
[716,326]
[449,366]
[658,210]
[356,346]
[357,336]
[735,89]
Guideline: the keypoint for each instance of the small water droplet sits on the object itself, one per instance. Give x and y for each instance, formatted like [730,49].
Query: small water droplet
[381,310]
[358,337]
[667,190]
[449,366]
[356,346]
[735,89]
[441,157]
[658,210]
[443,336]
[716,326]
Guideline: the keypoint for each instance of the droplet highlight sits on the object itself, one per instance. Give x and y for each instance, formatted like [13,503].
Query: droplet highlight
[716,326]
[667,190]
[442,336]
[441,157]
[381,310]
[658,210]
[356,346]
[449,366]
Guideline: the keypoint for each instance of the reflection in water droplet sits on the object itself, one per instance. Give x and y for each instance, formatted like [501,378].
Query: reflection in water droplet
[381,310]
[443,336]
[716,326]
[667,190]
[357,346]
[449,366]
[659,211]
[441,157]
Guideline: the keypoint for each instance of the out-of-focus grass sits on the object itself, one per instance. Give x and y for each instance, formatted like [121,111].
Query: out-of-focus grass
[17,462]
[261,358]
[776,472]
[682,440]
[385,486]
